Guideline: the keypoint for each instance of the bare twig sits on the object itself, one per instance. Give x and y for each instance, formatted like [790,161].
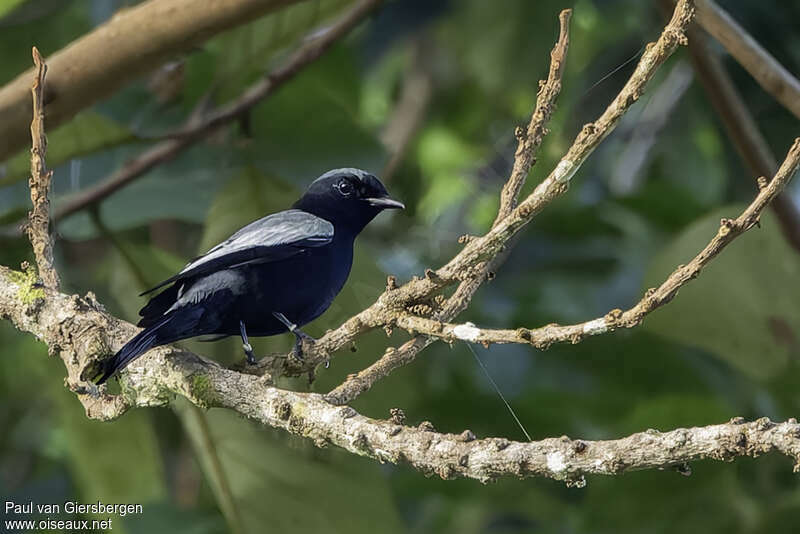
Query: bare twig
[654,298]
[472,260]
[740,126]
[38,228]
[762,66]
[92,333]
[133,42]
[195,130]
[529,140]
[409,112]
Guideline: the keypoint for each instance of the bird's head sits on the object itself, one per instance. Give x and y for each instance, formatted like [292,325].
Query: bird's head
[348,198]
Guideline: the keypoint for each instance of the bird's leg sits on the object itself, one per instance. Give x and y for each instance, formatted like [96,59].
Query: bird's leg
[299,335]
[248,349]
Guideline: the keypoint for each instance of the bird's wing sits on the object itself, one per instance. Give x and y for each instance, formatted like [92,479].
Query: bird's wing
[272,238]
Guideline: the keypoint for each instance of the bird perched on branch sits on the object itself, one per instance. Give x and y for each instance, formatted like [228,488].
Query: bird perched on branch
[272,276]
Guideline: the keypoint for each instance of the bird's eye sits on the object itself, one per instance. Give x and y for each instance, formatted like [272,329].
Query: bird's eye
[344,188]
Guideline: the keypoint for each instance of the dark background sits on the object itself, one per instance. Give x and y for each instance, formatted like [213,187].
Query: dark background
[727,346]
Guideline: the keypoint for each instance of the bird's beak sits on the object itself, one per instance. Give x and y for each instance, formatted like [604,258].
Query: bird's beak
[386,203]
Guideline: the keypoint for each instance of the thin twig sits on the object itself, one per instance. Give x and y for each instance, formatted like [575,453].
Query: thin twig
[528,141]
[412,104]
[762,66]
[195,130]
[38,227]
[654,298]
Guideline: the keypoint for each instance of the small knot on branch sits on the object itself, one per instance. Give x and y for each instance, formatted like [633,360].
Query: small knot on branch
[422,310]
[397,416]
[524,334]
[467,436]
[430,274]
[613,317]
[427,426]
[725,226]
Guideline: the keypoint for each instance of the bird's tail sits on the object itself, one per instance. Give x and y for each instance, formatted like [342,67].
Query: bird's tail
[158,333]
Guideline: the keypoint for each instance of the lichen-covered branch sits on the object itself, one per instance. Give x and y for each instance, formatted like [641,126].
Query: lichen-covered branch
[38,228]
[82,332]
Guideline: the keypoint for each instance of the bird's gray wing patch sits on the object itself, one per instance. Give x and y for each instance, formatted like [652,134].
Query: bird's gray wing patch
[272,238]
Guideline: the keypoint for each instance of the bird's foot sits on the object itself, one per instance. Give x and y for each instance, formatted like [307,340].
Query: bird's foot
[299,338]
[248,348]
[248,351]
[93,390]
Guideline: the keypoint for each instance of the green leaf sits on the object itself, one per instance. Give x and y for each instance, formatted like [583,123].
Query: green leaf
[744,306]
[88,132]
[260,481]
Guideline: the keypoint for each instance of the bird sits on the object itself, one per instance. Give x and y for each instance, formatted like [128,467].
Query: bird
[270,277]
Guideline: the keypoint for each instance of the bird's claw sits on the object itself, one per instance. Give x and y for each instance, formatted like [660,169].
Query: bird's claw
[300,337]
[248,351]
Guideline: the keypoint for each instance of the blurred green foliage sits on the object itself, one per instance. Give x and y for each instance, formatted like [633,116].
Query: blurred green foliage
[727,346]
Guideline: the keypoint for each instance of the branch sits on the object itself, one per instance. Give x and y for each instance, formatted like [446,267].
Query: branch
[524,158]
[412,105]
[528,141]
[467,264]
[654,298]
[135,41]
[471,261]
[85,333]
[38,228]
[762,66]
[195,130]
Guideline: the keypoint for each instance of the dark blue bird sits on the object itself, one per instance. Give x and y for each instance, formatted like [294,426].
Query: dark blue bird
[270,277]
